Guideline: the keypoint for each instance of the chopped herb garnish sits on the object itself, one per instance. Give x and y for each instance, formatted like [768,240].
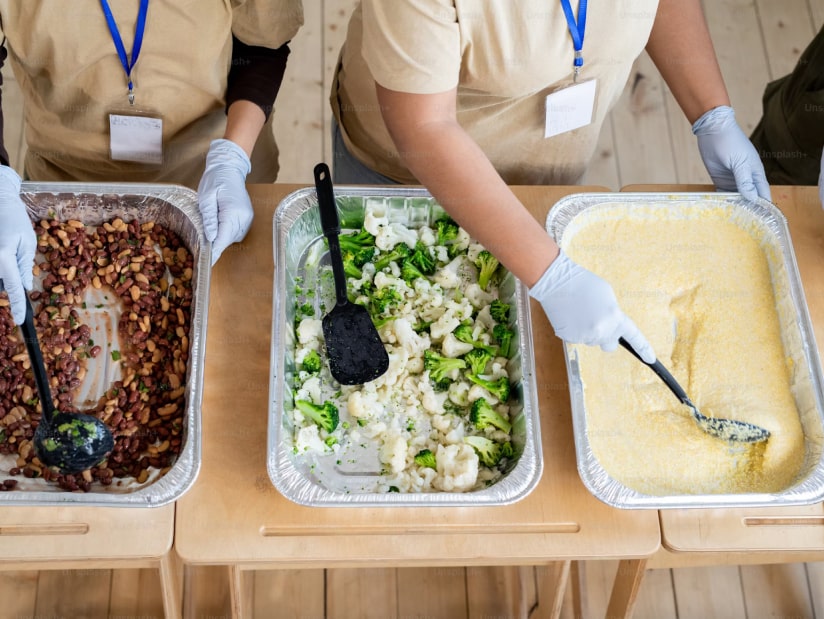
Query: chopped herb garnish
[115,355]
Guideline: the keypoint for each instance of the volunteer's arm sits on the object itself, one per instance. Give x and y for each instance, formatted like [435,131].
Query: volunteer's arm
[444,158]
[681,48]
[254,80]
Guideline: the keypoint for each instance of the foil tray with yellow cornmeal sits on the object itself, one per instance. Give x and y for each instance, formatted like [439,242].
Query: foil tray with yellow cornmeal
[711,280]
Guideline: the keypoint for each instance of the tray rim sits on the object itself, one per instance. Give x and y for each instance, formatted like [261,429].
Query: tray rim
[279,465]
[586,463]
[191,455]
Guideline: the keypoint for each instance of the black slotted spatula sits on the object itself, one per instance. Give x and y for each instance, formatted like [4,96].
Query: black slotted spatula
[355,351]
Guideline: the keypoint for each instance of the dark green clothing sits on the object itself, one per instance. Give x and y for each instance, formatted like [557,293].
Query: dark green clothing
[790,135]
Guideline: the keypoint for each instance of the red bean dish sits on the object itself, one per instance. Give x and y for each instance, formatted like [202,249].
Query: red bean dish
[149,269]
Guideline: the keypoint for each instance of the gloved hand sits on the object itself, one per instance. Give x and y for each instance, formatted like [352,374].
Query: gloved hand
[729,156]
[582,308]
[17,243]
[222,197]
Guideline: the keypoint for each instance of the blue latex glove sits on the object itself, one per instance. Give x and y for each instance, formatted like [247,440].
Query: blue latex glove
[224,203]
[582,308]
[17,244]
[729,156]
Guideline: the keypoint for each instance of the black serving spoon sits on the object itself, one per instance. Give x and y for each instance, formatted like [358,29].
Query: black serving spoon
[355,351]
[726,429]
[68,442]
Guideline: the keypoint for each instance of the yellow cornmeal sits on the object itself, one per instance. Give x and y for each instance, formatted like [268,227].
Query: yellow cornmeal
[700,291]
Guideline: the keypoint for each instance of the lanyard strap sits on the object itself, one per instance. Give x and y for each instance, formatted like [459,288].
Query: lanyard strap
[576,30]
[128,65]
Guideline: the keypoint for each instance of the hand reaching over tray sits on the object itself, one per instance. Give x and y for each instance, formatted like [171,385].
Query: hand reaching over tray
[17,244]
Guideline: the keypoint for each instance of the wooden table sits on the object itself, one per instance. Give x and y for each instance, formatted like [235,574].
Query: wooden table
[72,537]
[234,516]
[694,537]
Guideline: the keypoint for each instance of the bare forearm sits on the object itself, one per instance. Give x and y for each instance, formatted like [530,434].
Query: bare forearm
[448,162]
[244,122]
[681,48]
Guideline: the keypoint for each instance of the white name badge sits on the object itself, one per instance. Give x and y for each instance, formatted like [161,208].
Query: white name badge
[569,108]
[136,138]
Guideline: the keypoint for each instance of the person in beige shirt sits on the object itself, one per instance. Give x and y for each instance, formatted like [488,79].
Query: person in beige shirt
[459,95]
[201,75]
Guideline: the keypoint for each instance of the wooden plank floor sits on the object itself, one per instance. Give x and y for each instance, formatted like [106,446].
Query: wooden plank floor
[646,140]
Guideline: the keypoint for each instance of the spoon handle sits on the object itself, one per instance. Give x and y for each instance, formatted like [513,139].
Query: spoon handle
[331,227]
[662,372]
[37,365]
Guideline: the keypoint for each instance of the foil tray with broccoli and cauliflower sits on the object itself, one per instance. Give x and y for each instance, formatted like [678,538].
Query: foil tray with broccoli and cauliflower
[454,420]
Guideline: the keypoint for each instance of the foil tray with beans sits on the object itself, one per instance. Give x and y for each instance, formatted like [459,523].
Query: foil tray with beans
[120,301]
[362,453]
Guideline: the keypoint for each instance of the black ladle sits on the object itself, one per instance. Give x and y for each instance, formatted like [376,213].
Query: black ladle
[726,429]
[68,442]
[355,351]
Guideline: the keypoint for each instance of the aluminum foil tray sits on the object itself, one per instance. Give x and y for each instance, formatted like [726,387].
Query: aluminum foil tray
[796,332]
[176,208]
[317,480]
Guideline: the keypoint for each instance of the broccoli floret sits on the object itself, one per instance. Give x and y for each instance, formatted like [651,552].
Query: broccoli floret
[397,254]
[464,334]
[381,299]
[311,362]
[357,242]
[426,459]
[507,451]
[447,230]
[489,452]
[422,258]
[350,268]
[499,311]
[410,272]
[442,385]
[499,388]
[487,265]
[439,366]
[503,335]
[477,358]
[325,415]
[421,326]
[482,415]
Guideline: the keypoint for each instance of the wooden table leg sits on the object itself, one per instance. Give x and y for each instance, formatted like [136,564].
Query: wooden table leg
[625,588]
[171,584]
[241,592]
[552,584]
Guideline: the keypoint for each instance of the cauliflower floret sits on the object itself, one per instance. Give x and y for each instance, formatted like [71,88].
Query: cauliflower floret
[441,423]
[308,439]
[426,236]
[453,347]
[441,253]
[363,404]
[310,390]
[473,249]
[393,234]
[458,393]
[397,365]
[456,435]
[405,336]
[432,402]
[498,370]
[457,468]
[393,453]
[476,392]
[484,319]
[375,218]
[446,323]
[374,429]
[463,240]
[478,296]
[309,330]
[447,276]
[302,351]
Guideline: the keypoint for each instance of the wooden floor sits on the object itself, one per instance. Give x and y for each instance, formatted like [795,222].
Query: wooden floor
[646,140]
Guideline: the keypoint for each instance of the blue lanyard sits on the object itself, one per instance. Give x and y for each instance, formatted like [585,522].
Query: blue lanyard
[118,41]
[576,30]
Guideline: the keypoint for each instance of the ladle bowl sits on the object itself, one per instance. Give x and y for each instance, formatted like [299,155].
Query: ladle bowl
[69,442]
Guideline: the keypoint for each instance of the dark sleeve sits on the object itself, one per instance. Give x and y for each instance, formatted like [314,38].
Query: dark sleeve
[256,74]
[4,156]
